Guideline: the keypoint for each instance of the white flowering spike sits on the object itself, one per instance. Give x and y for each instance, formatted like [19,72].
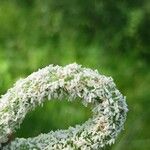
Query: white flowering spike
[108,106]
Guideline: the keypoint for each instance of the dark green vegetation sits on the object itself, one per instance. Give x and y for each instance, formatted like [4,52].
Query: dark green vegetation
[111,36]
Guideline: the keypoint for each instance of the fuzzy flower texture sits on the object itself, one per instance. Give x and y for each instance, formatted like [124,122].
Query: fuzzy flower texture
[108,106]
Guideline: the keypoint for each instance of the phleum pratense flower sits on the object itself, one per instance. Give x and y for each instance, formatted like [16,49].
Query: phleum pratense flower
[108,106]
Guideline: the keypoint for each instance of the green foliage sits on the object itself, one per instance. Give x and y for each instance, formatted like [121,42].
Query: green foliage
[111,36]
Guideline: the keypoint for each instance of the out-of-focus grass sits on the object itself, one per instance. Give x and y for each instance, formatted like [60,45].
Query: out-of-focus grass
[55,114]
[105,35]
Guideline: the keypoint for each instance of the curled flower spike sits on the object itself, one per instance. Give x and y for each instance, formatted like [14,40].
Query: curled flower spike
[107,103]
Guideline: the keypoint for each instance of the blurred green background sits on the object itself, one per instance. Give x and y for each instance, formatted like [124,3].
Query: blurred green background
[111,36]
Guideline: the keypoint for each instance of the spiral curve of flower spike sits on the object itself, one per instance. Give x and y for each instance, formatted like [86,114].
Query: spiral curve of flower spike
[108,106]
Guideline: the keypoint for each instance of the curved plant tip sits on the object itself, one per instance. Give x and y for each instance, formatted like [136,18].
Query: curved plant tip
[108,106]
